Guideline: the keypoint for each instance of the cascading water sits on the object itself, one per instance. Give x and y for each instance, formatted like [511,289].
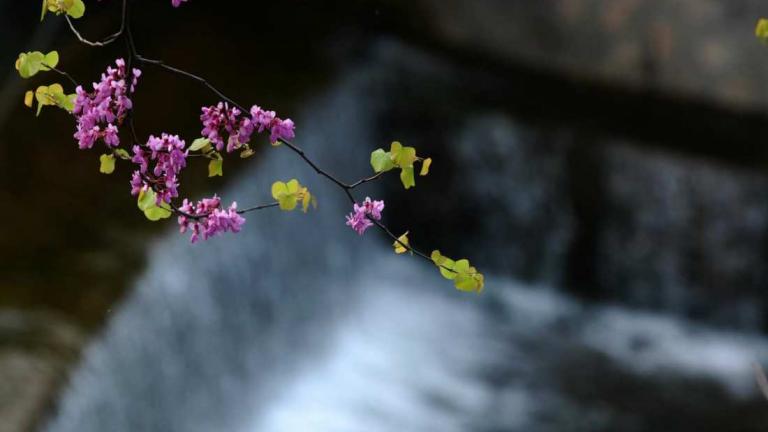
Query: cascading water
[297,324]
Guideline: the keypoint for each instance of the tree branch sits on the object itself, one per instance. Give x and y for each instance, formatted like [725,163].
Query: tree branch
[199,79]
[104,42]
[62,73]
[133,54]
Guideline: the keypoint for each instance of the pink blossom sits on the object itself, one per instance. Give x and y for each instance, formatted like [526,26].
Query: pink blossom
[220,120]
[101,111]
[225,124]
[360,219]
[206,218]
[110,136]
[358,222]
[267,120]
[177,3]
[373,208]
[137,183]
[281,130]
[262,119]
[168,154]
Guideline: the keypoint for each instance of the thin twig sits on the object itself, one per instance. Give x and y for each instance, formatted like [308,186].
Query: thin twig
[319,170]
[396,239]
[258,207]
[106,41]
[180,212]
[201,80]
[365,180]
[61,72]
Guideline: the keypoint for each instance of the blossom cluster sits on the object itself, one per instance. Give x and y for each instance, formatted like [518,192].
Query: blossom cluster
[220,119]
[222,122]
[169,157]
[360,218]
[177,3]
[279,129]
[207,218]
[99,112]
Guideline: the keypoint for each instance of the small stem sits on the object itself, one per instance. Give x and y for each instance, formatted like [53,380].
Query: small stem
[199,79]
[106,41]
[61,72]
[365,180]
[258,207]
[180,212]
[408,247]
[396,239]
[296,149]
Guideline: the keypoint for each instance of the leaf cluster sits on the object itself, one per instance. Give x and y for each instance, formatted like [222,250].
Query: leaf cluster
[290,194]
[73,8]
[464,276]
[400,157]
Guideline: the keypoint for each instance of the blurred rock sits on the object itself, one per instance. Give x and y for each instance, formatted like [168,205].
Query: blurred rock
[696,47]
[36,350]
[684,235]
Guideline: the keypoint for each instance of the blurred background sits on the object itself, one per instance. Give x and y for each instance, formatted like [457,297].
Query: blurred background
[604,163]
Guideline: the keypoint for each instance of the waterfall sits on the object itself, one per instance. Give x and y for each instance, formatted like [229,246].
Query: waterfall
[297,324]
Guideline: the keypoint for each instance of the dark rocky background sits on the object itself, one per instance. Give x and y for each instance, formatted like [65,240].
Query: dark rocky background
[639,175]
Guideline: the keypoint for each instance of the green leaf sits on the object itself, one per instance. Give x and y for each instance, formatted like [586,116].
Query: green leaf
[29,64]
[63,101]
[406,157]
[147,203]
[472,282]
[22,66]
[50,95]
[289,194]
[394,149]
[107,164]
[425,164]
[446,268]
[381,161]
[200,144]
[461,266]
[55,89]
[45,9]
[41,95]
[398,245]
[464,276]
[278,189]
[288,202]
[51,59]
[68,103]
[29,98]
[293,186]
[77,9]
[146,199]
[122,154]
[761,30]
[156,213]
[248,152]
[445,265]
[406,176]
[435,256]
[215,167]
